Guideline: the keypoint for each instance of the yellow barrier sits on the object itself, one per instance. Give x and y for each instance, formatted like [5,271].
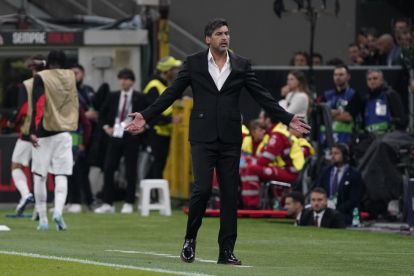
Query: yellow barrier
[178,170]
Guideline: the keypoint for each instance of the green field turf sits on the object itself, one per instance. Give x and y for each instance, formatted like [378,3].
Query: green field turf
[266,246]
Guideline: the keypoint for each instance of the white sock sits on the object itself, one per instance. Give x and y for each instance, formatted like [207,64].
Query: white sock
[21,182]
[40,193]
[61,191]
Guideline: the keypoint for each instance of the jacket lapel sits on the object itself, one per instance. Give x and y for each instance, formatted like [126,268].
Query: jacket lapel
[204,66]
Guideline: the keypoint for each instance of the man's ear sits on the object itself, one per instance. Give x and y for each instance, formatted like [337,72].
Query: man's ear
[208,40]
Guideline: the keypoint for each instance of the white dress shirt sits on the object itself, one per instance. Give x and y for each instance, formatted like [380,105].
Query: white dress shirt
[128,107]
[219,76]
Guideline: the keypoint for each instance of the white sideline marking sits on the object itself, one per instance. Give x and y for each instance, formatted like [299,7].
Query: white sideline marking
[165,255]
[81,261]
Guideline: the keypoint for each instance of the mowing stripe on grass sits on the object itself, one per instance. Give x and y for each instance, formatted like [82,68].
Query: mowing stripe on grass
[164,255]
[80,261]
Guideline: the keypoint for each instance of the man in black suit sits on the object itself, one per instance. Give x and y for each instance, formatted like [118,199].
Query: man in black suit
[319,215]
[113,118]
[216,77]
[342,182]
[294,204]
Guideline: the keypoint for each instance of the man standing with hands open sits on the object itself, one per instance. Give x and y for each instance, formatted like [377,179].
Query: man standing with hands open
[216,77]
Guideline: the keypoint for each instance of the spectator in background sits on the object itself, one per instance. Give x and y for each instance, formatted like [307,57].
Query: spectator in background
[373,57]
[383,108]
[160,134]
[401,25]
[113,117]
[281,159]
[297,101]
[253,144]
[342,182]
[317,59]
[361,41]
[294,204]
[406,39]
[79,181]
[320,215]
[300,59]
[345,105]
[354,54]
[390,52]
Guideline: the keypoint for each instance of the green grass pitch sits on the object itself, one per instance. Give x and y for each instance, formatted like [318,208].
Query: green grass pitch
[119,244]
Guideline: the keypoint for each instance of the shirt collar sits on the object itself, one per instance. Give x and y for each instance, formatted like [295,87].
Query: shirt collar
[128,92]
[211,59]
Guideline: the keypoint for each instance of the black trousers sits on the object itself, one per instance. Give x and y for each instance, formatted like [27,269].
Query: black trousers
[225,158]
[79,182]
[159,146]
[118,147]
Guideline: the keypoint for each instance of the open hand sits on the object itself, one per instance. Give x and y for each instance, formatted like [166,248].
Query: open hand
[298,124]
[137,124]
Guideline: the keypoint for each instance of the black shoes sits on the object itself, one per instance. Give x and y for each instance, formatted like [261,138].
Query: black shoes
[188,253]
[227,257]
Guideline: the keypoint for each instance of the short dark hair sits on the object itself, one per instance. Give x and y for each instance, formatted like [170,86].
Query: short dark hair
[319,190]
[56,58]
[213,25]
[78,66]
[340,66]
[296,197]
[335,61]
[126,73]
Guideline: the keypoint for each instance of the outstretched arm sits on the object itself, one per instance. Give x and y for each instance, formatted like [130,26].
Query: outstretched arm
[167,98]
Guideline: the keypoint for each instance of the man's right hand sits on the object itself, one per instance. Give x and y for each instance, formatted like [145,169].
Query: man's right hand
[137,123]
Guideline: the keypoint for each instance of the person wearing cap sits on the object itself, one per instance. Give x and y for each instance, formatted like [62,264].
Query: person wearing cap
[113,118]
[22,153]
[167,69]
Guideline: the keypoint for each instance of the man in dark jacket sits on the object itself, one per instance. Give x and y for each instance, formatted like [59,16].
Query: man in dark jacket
[342,182]
[319,215]
[217,77]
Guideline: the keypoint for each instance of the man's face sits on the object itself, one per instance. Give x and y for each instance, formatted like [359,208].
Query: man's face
[401,26]
[219,39]
[341,77]
[353,53]
[293,207]
[336,156]
[258,134]
[374,80]
[299,60]
[371,42]
[125,83]
[316,60]
[79,74]
[318,201]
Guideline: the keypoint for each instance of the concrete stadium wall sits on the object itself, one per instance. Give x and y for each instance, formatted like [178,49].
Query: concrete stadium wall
[257,33]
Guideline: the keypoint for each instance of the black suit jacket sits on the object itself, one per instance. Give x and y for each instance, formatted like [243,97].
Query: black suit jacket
[331,219]
[349,190]
[216,114]
[109,109]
